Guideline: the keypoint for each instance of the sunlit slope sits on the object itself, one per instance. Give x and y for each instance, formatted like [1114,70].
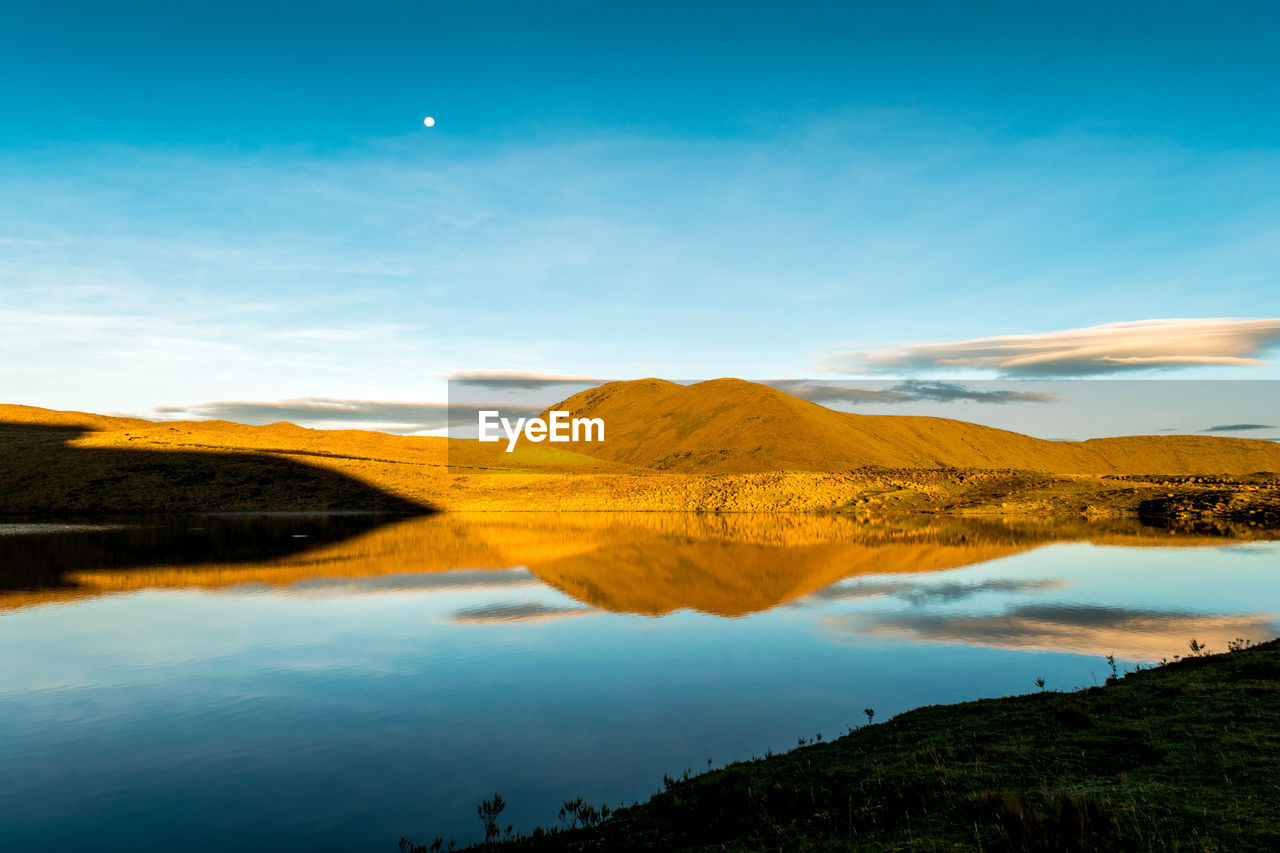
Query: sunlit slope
[72,462]
[285,438]
[732,426]
[722,446]
[54,461]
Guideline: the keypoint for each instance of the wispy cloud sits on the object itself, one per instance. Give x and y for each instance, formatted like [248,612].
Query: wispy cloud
[309,411]
[1096,350]
[1237,427]
[328,413]
[911,391]
[217,274]
[516,380]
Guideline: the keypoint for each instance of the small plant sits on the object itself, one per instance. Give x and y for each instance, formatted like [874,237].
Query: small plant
[871,714]
[1111,662]
[1198,649]
[579,813]
[488,812]
[1040,683]
[1239,644]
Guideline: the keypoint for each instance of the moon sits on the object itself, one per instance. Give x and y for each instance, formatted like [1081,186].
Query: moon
[429,121]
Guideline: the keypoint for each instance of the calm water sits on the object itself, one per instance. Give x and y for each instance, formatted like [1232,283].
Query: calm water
[334,683]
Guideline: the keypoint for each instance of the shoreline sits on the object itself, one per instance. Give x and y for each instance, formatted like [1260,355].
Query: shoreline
[1156,759]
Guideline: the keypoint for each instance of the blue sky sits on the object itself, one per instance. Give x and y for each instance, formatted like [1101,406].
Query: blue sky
[238,202]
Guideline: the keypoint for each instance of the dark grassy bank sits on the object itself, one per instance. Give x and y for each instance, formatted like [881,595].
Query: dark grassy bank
[1181,757]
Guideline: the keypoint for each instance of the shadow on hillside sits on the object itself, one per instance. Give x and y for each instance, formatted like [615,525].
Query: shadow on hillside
[44,477]
[43,474]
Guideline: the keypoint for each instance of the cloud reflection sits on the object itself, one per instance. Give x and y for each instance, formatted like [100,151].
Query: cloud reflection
[1128,633]
[925,593]
[517,612]
[455,581]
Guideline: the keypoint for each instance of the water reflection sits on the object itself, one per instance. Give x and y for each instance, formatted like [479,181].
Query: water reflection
[1130,633]
[334,683]
[643,563]
[50,561]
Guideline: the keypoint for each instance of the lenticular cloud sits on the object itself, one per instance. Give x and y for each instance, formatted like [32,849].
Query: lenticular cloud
[1096,350]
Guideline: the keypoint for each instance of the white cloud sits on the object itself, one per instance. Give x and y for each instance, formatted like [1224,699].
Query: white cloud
[330,413]
[911,391]
[318,411]
[1096,350]
[525,380]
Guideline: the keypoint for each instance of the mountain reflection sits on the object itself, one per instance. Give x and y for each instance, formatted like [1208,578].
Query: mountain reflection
[641,563]
[648,564]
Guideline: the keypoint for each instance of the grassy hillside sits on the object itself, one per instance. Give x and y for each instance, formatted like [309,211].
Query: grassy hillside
[723,446]
[1181,757]
[61,463]
[732,426]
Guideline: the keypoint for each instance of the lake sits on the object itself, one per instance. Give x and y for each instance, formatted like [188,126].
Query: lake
[335,682]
